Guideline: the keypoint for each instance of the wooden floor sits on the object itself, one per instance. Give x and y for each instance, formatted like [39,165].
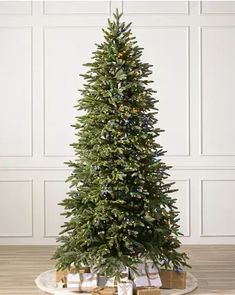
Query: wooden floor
[214,266]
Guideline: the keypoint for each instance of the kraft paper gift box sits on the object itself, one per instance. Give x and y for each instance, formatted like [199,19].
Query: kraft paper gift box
[125,288]
[104,291]
[82,281]
[149,276]
[61,275]
[147,291]
[173,279]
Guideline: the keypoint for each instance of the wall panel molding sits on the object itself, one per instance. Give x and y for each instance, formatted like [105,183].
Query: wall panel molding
[217,7]
[68,29]
[221,214]
[28,136]
[71,8]
[202,96]
[156,8]
[19,219]
[16,8]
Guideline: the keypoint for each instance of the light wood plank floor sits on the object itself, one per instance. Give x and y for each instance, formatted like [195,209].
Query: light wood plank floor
[214,266]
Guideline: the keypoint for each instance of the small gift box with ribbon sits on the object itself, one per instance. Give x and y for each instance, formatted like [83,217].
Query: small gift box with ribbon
[125,288]
[61,275]
[104,291]
[149,276]
[172,279]
[83,281]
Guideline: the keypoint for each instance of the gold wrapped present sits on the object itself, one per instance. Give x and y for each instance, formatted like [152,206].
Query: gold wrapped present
[104,291]
[172,279]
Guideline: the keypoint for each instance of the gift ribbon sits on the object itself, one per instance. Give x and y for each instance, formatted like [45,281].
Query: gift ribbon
[149,277]
[81,280]
[126,286]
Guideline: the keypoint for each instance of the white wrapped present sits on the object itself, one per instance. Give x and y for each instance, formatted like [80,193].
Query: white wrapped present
[82,281]
[125,288]
[148,276]
[110,282]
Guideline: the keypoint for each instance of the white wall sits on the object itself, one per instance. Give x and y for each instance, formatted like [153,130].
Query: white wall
[42,48]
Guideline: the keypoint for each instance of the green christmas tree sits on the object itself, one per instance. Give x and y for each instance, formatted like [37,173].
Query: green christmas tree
[119,212]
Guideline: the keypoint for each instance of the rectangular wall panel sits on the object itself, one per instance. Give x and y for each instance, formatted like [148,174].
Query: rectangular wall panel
[217,7]
[168,50]
[155,7]
[66,50]
[54,193]
[217,208]
[217,83]
[15,7]
[16,209]
[77,7]
[15,92]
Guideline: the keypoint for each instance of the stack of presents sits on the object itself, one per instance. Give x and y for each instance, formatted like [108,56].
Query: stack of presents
[149,281]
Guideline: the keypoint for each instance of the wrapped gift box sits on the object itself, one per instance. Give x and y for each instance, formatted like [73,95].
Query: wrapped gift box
[61,275]
[147,291]
[172,279]
[149,276]
[148,266]
[85,269]
[110,282]
[104,291]
[125,288]
[84,282]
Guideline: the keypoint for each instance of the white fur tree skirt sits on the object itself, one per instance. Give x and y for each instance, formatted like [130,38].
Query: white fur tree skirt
[46,282]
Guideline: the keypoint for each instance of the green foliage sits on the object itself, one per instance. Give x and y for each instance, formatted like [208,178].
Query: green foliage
[119,210]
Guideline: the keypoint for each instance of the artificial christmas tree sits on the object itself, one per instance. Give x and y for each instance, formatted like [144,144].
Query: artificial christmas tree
[119,210]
